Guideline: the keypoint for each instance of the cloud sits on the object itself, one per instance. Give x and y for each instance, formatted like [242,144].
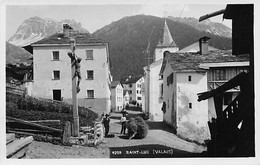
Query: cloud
[160,10]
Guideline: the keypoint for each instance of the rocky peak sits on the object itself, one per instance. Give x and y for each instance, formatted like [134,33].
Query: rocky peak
[35,28]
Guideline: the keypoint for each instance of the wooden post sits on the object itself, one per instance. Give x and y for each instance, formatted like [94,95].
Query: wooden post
[74,90]
[66,133]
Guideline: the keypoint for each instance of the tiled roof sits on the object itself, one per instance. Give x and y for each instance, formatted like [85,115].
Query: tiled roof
[81,38]
[114,84]
[134,79]
[124,92]
[191,61]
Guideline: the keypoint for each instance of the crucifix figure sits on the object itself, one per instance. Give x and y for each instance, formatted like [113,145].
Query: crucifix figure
[75,61]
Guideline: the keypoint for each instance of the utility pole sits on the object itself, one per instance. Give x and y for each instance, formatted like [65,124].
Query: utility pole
[148,78]
[148,73]
[75,128]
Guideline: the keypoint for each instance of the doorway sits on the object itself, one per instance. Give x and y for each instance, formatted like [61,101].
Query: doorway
[57,95]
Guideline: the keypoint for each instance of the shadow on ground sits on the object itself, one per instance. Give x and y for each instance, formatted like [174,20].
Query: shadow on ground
[150,151]
[135,108]
[153,125]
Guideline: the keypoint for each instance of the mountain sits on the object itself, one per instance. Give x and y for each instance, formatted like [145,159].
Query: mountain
[15,54]
[36,28]
[128,38]
[206,25]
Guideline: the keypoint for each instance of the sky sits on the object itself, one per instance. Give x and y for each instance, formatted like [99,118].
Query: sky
[95,16]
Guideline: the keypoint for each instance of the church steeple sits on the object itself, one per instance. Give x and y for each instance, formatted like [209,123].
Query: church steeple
[167,44]
[167,37]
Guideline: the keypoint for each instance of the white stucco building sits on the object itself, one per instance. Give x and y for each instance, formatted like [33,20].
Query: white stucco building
[126,97]
[117,98]
[153,81]
[52,69]
[187,74]
[133,85]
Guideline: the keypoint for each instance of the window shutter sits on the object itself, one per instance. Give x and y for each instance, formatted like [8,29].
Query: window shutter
[52,75]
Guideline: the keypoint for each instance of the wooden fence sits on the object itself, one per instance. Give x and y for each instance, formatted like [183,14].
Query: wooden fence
[16,90]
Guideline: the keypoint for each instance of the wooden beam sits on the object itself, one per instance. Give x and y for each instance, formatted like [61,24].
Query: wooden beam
[17,145]
[74,90]
[45,121]
[32,124]
[10,137]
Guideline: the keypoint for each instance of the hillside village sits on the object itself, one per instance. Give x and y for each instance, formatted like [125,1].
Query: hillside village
[197,92]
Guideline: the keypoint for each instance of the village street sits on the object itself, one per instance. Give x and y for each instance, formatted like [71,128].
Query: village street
[158,135]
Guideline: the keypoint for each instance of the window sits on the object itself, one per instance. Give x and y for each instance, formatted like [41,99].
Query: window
[137,91]
[227,98]
[139,98]
[130,98]
[190,105]
[130,85]
[55,56]
[90,93]
[161,91]
[220,74]
[170,79]
[189,78]
[130,91]
[89,54]
[90,75]
[56,75]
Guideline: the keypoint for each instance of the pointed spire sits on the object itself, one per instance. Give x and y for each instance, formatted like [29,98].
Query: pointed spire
[167,37]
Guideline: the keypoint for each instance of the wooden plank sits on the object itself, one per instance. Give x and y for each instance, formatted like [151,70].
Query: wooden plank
[22,133]
[20,154]
[17,145]
[30,130]
[10,137]
[46,121]
[34,124]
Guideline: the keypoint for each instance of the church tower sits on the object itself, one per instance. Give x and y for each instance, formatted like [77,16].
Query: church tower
[168,44]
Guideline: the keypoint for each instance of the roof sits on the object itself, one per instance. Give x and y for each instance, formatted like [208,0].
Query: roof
[134,79]
[125,92]
[58,38]
[194,48]
[156,63]
[167,37]
[115,83]
[192,61]
[238,10]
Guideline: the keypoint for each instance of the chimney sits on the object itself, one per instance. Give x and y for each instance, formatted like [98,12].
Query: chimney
[204,45]
[66,30]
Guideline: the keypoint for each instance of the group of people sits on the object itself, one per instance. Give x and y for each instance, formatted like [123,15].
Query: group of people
[105,120]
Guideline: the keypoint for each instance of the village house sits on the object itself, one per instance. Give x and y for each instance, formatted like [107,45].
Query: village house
[153,85]
[117,98]
[52,69]
[233,130]
[126,98]
[133,85]
[187,74]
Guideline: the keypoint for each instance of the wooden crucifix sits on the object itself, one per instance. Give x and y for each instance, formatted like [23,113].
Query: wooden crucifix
[76,78]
